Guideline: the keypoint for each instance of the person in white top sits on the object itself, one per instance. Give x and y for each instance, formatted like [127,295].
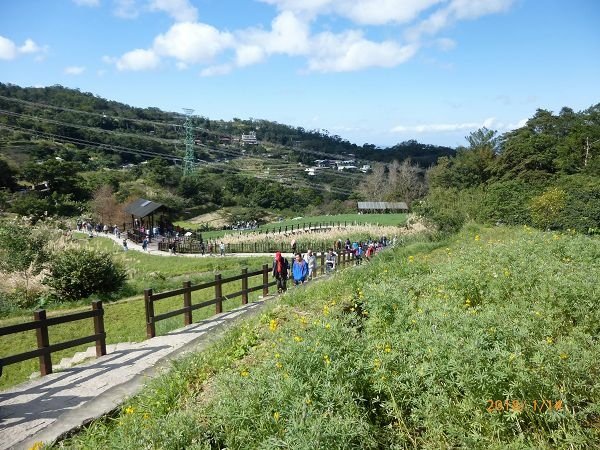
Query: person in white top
[311,260]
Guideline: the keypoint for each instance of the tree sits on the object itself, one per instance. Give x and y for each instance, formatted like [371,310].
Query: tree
[105,207]
[405,182]
[7,175]
[374,186]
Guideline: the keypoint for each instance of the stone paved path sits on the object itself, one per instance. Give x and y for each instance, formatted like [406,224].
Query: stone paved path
[48,407]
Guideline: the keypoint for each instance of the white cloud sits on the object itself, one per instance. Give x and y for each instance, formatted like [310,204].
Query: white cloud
[30,47]
[126,9]
[8,49]
[490,123]
[443,127]
[455,11]
[180,10]
[74,70]
[212,71]
[445,44]
[192,42]
[138,59]
[350,51]
[247,55]
[364,12]
[87,2]
[288,35]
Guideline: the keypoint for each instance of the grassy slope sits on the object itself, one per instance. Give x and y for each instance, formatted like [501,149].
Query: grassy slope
[381,219]
[125,320]
[402,353]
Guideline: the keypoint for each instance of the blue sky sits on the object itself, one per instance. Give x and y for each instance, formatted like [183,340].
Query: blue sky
[376,71]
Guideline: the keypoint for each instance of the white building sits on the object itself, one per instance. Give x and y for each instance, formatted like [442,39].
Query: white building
[249,139]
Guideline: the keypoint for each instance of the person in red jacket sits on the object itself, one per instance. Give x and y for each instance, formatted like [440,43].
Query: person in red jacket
[281,269]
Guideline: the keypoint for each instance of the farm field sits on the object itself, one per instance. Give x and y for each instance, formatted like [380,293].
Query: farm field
[381,219]
[125,319]
[486,340]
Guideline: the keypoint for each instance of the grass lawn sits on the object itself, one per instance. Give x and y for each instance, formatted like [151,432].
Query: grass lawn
[125,319]
[488,340]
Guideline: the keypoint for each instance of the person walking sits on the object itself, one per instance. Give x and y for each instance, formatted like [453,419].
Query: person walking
[330,261]
[125,245]
[145,244]
[311,260]
[281,269]
[294,246]
[299,270]
[222,248]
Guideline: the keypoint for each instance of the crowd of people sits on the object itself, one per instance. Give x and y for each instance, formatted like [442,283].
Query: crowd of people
[304,268]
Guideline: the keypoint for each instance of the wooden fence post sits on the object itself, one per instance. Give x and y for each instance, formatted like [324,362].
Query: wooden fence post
[218,294]
[187,303]
[265,280]
[99,328]
[150,326]
[322,263]
[244,286]
[43,341]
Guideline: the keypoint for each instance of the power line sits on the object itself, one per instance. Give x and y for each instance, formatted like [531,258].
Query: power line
[120,149]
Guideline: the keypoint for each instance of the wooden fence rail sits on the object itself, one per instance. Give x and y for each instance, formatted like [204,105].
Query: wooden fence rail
[44,350]
[343,258]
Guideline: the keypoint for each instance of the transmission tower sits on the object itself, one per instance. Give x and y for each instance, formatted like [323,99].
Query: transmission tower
[190,157]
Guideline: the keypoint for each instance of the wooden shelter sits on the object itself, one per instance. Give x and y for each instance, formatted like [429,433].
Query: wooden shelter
[143,217]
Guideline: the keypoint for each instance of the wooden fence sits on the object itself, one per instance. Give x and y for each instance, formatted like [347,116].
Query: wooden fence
[193,246]
[44,350]
[343,258]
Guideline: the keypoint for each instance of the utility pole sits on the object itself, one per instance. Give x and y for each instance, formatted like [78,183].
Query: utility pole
[190,157]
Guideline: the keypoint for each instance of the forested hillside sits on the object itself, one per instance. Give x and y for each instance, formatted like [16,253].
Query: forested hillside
[545,174]
[64,145]
[64,150]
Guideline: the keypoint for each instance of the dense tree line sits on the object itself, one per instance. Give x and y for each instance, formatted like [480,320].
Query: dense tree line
[546,173]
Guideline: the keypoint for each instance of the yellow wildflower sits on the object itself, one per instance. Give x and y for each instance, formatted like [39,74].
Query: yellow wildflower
[146,416]
[388,348]
[244,373]
[276,416]
[325,310]
[297,338]
[327,326]
[278,365]
[563,355]
[326,359]
[411,258]
[277,355]
[549,340]
[273,325]
[37,446]
[129,410]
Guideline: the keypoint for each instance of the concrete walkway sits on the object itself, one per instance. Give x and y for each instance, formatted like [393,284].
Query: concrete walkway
[48,408]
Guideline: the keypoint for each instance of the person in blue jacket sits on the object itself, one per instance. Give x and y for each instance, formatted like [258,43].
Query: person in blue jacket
[299,270]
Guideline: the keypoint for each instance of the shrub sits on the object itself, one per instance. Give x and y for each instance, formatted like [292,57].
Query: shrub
[78,273]
[546,208]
